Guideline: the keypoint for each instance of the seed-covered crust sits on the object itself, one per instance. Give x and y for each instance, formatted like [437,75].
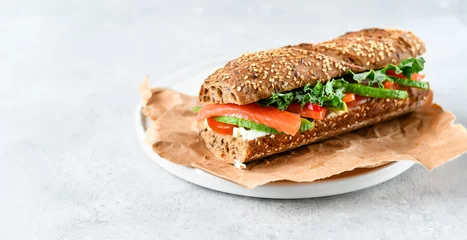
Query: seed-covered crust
[376,110]
[256,76]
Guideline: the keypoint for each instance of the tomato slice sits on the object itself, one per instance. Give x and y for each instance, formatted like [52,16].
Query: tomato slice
[349,97]
[390,85]
[314,107]
[218,127]
[415,76]
[393,73]
[358,100]
[308,111]
[294,108]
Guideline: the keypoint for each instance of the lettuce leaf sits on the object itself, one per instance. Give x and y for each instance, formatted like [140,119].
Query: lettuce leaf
[329,94]
[280,100]
[407,67]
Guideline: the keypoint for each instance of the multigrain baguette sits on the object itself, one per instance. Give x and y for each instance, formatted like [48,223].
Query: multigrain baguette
[256,76]
[231,149]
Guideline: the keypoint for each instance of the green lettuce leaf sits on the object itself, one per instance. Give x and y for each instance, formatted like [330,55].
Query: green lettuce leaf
[330,94]
[411,65]
[407,67]
[280,100]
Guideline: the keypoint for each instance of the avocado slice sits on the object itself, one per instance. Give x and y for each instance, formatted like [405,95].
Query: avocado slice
[305,124]
[339,110]
[196,109]
[411,83]
[246,124]
[374,92]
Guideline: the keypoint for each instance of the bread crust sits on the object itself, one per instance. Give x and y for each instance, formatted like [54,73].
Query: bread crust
[230,149]
[256,76]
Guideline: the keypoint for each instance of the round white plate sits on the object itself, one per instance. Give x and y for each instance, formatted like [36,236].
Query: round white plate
[188,81]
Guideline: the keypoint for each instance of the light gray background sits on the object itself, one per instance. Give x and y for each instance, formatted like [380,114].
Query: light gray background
[70,163]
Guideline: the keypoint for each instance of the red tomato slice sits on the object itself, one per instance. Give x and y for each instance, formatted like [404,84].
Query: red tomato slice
[358,100]
[390,85]
[294,108]
[415,76]
[218,127]
[351,104]
[393,73]
[308,111]
[349,97]
[314,107]
[317,115]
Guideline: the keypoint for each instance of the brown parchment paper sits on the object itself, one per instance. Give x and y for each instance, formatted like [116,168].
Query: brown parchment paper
[427,136]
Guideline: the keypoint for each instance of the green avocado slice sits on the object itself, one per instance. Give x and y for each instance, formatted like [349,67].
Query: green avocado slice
[339,110]
[374,92]
[196,109]
[305,124]
[411,83]
[246,124]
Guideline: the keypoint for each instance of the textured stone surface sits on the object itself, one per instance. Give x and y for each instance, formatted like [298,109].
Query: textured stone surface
[71,166]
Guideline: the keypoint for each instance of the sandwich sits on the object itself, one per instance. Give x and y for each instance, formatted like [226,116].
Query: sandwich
[272,101]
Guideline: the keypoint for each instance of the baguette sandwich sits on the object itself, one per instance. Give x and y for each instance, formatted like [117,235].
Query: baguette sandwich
[272,101]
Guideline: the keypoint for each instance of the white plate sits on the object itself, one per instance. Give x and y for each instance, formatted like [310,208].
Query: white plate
[188,81]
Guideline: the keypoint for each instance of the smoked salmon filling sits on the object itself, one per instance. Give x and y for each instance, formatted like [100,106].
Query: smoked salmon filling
[272,117]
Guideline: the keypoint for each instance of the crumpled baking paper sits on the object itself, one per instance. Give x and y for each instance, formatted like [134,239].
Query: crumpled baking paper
[427,136]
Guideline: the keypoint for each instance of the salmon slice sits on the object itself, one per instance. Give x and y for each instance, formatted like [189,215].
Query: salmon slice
[282,121]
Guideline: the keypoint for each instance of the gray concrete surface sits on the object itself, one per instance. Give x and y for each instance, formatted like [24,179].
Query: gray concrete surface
[70,163]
